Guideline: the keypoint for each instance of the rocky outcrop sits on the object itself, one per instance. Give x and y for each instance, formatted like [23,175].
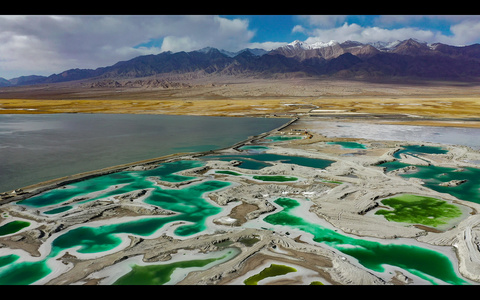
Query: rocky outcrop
[453,183]
[139,83]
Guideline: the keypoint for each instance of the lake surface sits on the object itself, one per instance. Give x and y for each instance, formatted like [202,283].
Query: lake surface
[35,148]
[442,135]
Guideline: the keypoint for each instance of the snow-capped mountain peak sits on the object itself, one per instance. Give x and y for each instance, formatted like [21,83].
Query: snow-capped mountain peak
[298,44]
[318,45]
[308,46]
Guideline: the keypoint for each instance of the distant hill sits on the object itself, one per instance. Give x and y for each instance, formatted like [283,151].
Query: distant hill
[409,58]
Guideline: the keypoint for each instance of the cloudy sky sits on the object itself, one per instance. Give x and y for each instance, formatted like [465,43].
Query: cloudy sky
[44,44]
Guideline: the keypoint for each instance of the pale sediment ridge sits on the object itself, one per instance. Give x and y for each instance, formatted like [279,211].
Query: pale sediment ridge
[32,190]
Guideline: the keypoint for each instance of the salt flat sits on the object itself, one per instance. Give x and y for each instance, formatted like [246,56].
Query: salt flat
[340,198]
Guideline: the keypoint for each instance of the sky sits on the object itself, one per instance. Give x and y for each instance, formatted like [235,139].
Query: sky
[50,44]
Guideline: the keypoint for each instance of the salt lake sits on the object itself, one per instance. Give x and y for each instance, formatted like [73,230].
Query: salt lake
[192,207]
[40,147]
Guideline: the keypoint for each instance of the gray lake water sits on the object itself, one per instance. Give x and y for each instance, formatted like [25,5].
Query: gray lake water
[35,148]
[443,135]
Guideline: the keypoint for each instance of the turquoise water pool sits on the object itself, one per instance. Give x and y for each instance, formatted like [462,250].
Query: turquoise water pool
[348,145]
[257,161]
[188,203]
[433,176]
[427,264]
[192,209]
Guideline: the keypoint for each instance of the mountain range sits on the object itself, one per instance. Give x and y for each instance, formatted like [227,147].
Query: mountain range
[350,59]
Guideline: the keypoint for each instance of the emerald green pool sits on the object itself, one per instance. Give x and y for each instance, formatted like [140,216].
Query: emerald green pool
[348,145]
[279,178]
[427,264]
[21,273]
[125,181]
[188,203]
[191,212]
[13,227]
[271,271]
[281,138]
[419,210]
[158,274]
[253,148]
[228,173]
[257,161]
[420,149]
[433,176]
[58,210]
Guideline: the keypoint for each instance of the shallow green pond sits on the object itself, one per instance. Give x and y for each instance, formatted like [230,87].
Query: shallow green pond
[257,161]
[228,173]
[419,210]
[22,273]
[254,148]
[433,176]
[348,145]
[281,138]
[58,210]
[126,181]
[191,207]
[276,178]
[188,203]
[420,149]
[425,263]
[271,271]
[13,227]
[279,178]
[159,274]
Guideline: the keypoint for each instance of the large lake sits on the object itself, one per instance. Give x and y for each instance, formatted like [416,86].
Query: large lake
[35,148]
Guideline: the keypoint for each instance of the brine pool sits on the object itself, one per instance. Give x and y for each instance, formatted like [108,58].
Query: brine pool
[435,176]
[427,264]
[348,145]
[193,210]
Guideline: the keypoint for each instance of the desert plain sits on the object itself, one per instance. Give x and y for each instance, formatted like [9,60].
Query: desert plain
[233,96]
[342,197]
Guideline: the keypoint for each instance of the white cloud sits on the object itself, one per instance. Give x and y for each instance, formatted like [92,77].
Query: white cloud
[176,44]
[463,33]
[299,28]
[464,30]
[197,32]
[389,20]
[324,21]
[50,44]
[355,32]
